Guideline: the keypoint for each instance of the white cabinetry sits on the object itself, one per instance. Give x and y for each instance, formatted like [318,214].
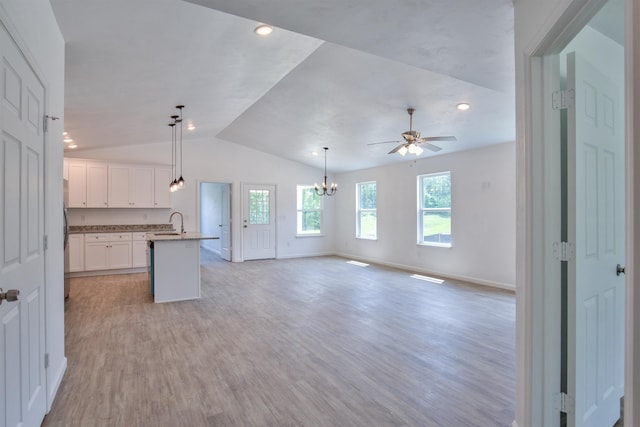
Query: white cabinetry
[77,184]
[139,250]
[104,251]
[131,186]
[97,185]
[76,252]
[162,194]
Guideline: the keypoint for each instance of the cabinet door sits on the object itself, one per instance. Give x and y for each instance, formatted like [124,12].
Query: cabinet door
[97,185]
[77,185]
[119,177]
[162,194]
[96,255]
[120,254]
[76,252]
[141,187]
[139,256]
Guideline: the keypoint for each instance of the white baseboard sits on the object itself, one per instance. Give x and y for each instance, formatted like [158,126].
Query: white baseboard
[474,280]
[290,256]
[57,380]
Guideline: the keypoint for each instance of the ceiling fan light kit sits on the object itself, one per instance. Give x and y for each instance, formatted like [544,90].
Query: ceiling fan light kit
[412,140]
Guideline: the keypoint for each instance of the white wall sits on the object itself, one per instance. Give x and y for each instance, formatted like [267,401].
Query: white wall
[482,211]
[219,161]
[33,25]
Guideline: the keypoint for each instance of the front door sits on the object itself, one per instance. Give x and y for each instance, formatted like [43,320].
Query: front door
[22,373]
[596,224]
[259,225]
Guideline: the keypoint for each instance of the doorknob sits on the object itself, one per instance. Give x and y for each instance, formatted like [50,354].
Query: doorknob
[10,295]
[619,270]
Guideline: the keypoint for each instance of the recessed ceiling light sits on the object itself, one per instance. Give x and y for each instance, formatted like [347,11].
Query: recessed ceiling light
[65,133]
[68,140]
[190,126]
[314,153]
[72,146]
[463,106]
[263,30]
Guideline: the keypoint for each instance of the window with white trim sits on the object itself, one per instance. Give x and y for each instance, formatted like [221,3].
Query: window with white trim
[434,209]
[309,211]
[366,210]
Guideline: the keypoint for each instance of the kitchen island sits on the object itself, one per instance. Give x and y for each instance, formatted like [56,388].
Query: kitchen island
[174,265]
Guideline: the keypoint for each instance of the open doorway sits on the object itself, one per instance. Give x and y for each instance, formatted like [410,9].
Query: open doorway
[215,217]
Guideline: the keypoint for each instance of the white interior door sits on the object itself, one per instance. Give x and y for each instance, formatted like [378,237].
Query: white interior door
[22,374]
[596,224]
[259,225]
[225,224]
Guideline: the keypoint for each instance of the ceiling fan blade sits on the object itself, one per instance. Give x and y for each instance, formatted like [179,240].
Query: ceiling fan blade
[395,150]
[384,142]
[439,138]
[430,146]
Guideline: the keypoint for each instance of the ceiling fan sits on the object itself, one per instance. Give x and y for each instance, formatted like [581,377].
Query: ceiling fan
[413,143]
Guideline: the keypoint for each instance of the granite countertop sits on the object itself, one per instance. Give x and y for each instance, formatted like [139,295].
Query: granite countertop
[77,229]
[164,236]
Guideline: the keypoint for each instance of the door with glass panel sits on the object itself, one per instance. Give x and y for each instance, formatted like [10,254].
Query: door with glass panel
[258,223]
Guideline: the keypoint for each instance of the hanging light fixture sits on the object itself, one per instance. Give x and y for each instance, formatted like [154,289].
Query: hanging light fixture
[173,183]
[180,181]
[334,186]
[176,183]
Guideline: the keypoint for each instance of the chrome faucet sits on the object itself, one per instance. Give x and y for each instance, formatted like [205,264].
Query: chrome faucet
[181,220]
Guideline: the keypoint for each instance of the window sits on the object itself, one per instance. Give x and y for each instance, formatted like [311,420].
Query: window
[366,213]
[309,215]
[434,209]
[258,207]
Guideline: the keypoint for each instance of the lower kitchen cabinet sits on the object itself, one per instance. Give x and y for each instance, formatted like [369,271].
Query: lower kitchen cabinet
[139,250]
[105,251]
[76,252]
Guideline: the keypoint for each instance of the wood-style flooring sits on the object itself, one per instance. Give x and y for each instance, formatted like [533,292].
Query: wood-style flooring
[299,342]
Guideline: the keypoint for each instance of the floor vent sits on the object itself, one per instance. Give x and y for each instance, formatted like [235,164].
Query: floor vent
[427,279]
[358,263]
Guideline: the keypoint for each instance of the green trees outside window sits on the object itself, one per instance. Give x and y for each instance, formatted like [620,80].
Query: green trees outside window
[434,206]
[366,210]
[309,211]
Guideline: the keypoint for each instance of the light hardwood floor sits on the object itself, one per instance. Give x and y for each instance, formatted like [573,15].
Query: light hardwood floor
[301,342]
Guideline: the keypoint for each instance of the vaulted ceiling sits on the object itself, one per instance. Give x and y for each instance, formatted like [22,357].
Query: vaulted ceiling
[334,73]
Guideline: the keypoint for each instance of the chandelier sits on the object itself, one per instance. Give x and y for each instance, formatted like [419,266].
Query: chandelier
[334,187]
[177,183]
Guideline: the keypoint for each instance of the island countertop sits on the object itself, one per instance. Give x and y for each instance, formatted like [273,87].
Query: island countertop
[169,236]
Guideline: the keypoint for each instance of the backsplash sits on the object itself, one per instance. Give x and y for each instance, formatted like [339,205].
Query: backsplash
[74,229]
[111,216]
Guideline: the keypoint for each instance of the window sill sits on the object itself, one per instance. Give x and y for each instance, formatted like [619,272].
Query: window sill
[367,238]
[309,235]
[437,245]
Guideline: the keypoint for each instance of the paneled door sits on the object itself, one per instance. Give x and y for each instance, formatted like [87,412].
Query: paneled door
[22,372]
[259,225]
[225,223]
[595,206]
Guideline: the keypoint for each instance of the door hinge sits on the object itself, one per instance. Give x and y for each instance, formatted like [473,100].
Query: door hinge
[45,124]
[562,99]
[45,242]
[564,251]
[565,403]
[46,360]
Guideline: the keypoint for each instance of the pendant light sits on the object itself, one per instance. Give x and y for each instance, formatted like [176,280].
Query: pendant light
[172,186]
[180,181]
[334,186]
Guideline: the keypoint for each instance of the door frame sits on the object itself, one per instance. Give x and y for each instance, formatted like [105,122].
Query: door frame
[537,333]
[231,220]
[243,213]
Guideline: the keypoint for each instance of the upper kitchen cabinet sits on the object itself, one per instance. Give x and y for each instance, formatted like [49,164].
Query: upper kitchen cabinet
[77,184]
[162,194]
[131,186]
[87,184]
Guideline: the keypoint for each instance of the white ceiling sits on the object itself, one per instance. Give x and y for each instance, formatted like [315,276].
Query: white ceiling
[335,73]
